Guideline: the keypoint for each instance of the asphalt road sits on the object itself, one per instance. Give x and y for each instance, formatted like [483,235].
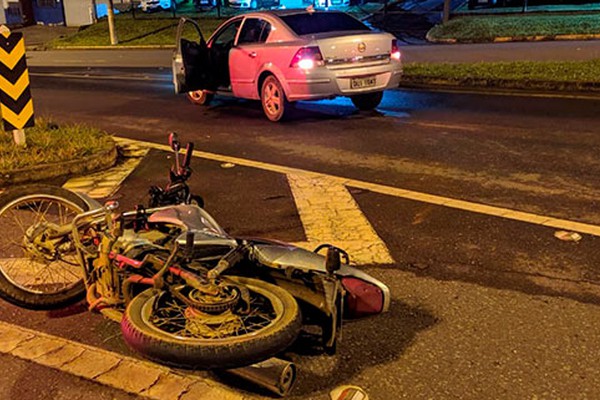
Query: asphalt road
[484,306]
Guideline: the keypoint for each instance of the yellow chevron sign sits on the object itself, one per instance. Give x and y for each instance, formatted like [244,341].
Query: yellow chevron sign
[11,58]
[14,89]
[19,119]
[16,105]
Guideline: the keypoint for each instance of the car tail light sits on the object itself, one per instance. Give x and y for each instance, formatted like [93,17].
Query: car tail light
[395,52]
[307,58]
[362,298]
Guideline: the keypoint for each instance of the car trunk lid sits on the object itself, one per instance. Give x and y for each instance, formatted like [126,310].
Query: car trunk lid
[343,49]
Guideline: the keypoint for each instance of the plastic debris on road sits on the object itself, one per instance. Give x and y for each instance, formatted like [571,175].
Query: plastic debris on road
[567,236]
[348,392]
[227,165]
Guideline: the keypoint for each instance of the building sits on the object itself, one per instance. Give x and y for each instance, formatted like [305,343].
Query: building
[49,12]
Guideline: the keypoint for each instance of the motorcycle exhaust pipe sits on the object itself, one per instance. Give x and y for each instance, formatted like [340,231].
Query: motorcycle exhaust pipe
[276,375]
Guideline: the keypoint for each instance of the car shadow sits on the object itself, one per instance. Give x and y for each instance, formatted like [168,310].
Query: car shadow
[305,111]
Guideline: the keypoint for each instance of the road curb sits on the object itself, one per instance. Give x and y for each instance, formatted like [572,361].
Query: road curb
[505,39]
[506,85]
[139,377]
[102,160]
[117,47]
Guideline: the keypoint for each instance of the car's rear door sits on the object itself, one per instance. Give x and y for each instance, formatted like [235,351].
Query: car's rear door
[192,68]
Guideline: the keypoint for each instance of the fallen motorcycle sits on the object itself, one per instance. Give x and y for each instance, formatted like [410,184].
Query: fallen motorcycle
[185,292]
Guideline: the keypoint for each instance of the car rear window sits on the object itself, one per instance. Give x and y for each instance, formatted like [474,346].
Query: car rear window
[319,22]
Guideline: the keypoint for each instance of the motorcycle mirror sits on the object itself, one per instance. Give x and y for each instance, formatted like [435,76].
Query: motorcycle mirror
[332,260]
[174,142]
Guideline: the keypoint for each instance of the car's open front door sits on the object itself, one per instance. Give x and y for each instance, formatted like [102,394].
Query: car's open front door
[192,67]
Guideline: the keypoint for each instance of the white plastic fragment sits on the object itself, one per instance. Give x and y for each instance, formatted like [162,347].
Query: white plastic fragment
[348,392]
[567,236]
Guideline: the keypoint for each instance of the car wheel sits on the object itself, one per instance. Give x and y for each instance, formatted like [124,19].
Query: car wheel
[367,101]
[272,97]
[200,97]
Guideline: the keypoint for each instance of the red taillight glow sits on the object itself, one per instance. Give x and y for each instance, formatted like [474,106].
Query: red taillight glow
[362,298]
[307,58]
[395,52]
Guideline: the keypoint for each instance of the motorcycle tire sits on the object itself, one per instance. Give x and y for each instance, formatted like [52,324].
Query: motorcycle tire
[177,349]
[33,204]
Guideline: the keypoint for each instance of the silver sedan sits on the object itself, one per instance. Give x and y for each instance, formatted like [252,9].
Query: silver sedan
[279,57]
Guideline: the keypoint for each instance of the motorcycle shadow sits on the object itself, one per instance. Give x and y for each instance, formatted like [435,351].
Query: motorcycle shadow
[365,343]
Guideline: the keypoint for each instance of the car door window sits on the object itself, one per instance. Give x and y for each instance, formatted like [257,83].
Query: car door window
[226,37]
[254,30]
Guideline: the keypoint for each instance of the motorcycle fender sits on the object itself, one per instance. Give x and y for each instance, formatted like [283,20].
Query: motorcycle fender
[92,203]
[278,256]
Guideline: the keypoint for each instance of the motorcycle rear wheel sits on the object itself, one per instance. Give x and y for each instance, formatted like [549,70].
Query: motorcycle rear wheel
[32,276]
[273,324]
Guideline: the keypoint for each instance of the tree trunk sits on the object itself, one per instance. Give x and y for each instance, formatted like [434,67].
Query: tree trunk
[111,23]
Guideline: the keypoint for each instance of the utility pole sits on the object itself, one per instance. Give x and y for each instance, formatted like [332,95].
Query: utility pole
[111,23]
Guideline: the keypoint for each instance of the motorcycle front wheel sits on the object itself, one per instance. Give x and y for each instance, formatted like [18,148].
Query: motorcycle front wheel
[39,271]
[164,329]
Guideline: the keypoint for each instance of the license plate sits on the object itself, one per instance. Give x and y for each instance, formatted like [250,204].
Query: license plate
[359,83]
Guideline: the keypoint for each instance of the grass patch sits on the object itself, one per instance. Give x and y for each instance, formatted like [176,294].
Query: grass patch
[486,28]
[49,143]
[551,75]
[133,32]
[159,28]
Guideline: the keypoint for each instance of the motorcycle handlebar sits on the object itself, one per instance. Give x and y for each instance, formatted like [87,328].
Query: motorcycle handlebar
[189,149]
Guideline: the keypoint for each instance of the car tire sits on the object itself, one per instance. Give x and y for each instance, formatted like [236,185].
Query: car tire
[272,98]
[200,97]
[367,101]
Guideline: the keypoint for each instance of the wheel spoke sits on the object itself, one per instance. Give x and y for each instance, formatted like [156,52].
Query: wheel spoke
[172,316]
[24,261]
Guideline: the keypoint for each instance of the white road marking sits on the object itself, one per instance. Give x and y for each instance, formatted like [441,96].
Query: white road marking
[145,78]
[330,214]
[501,92]
[479,208]
[106,183]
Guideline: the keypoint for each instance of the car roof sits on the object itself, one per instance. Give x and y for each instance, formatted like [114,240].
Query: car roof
[292,11]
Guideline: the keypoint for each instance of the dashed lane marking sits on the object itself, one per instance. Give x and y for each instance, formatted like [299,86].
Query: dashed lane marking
[436,125]
[142,378]
[401,193]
